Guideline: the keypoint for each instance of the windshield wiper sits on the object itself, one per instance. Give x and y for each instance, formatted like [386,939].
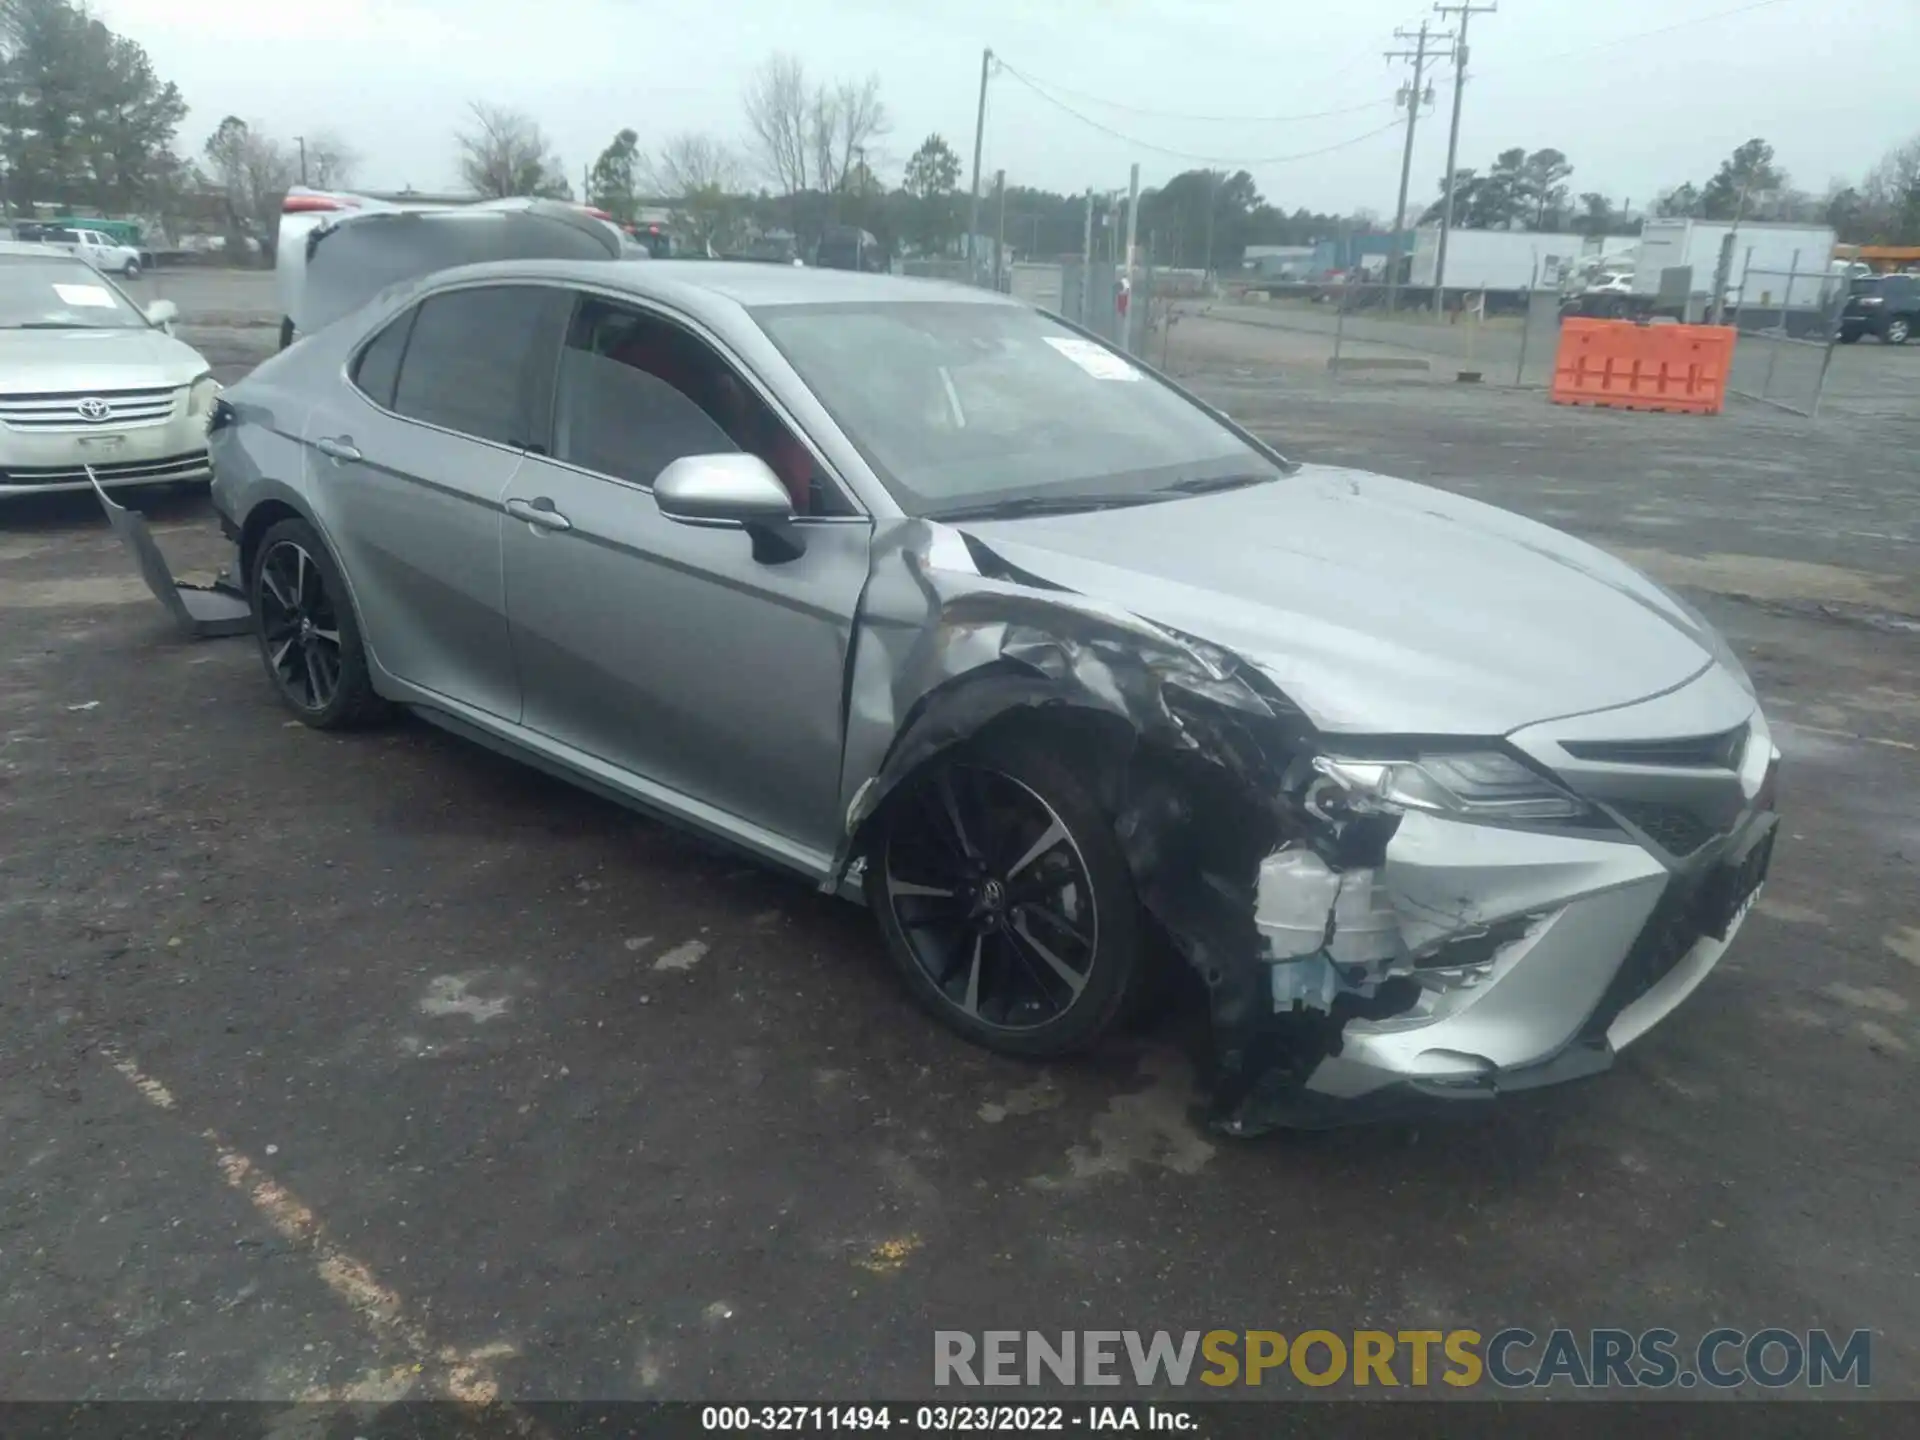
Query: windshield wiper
[1203,484]
[61,325]
[1044,505]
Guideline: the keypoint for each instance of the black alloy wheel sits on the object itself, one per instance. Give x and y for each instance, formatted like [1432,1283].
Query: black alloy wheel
[299,627]
[1003,894]
[309,639]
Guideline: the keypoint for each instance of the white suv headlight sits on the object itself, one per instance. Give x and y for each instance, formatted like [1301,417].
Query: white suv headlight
[1476,785]
[201,395]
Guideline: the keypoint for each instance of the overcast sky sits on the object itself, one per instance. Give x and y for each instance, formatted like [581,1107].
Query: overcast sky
[1831,83]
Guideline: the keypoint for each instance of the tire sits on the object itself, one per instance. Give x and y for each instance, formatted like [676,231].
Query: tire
[1009,955]
[132,270]
[286,332]
[1849,337]
[296,607]
[1899,330]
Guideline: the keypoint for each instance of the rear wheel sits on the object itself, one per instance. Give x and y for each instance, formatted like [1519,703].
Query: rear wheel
[1849,337]
[1002,894]
[309,639]
[1899,330]
[286,332]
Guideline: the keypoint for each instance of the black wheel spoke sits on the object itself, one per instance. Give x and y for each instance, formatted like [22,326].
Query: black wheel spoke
[1024,940]
[1057,921]
[950,806]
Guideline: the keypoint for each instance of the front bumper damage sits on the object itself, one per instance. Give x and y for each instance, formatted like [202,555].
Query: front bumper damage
[1390,963]
[201,612]
[1521,959]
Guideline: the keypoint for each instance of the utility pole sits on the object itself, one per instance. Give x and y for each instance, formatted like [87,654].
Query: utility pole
[1126,259]
[303,157]
[1466,10]
[1086,265]
[1206,266]
[1000,226]
[1418,55]
[979,140]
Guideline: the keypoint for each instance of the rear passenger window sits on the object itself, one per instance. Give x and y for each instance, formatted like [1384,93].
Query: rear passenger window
[466,359]
[379,364]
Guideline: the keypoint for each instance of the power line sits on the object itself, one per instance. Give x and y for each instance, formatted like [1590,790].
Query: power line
[1085,98]
[1747,9]
[1088,120]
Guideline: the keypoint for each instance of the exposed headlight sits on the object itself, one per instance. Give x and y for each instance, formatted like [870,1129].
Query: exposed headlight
[201,395]
[1478,785]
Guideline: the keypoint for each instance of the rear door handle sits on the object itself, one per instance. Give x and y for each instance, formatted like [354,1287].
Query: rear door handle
[539,511]
[341,448]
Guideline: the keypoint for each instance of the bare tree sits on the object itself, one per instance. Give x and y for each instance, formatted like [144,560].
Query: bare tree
[779,111]
[691,161]
[252,171]
[330,161]
[843,120]
[698,176]
[507,153]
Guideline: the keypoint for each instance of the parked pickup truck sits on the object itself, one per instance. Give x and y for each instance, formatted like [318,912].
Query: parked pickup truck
[100,251]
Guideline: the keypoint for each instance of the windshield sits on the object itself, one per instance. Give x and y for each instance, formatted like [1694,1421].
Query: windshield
[52,293]
[959,406]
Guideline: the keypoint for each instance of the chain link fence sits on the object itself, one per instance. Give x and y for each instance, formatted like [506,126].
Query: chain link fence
[1788,322]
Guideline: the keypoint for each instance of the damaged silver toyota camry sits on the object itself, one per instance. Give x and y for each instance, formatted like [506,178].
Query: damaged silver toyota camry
[949,606]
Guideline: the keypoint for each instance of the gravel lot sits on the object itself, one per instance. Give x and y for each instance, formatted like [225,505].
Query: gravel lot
[379,1066]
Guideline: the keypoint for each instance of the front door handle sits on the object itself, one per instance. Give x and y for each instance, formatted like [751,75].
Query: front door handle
[539,511]
[337,448]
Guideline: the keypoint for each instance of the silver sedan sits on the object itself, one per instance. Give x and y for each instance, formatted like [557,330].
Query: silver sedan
[954,609]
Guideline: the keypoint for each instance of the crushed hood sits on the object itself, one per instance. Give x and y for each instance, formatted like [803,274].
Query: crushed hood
[1377,605]
[132,358]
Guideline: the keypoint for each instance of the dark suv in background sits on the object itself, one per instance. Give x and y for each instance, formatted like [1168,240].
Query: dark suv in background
[1884,306]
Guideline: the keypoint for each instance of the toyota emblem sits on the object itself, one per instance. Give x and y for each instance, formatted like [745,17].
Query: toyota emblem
[94,409]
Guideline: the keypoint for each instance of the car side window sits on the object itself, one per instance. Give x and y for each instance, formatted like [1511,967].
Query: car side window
[466,359]
[636,393]
[378,365]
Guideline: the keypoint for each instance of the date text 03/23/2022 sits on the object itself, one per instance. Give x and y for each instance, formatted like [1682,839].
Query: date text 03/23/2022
[945,1419]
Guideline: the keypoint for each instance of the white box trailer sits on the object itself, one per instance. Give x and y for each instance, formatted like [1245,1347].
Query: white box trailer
[1510,260]
[1765,254]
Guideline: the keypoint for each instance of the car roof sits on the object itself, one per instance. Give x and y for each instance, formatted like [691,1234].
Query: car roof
[696,283]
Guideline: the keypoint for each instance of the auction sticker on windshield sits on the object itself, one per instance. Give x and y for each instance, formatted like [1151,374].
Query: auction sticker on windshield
[84,297]
[1100,363]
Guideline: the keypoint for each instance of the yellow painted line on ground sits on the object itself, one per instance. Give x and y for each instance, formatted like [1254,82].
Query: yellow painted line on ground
[465,1376]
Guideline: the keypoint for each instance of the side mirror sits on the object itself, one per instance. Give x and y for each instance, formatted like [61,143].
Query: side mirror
[163,313]
[729,491]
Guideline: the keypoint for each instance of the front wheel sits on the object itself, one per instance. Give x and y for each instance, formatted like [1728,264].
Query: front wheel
[132,270]
[309,638]
[1899,330]
[1002,894]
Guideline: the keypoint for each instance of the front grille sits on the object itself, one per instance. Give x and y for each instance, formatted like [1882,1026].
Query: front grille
[1676,830]
[1671,931]
[1721,751]
[67,410]
[172,467]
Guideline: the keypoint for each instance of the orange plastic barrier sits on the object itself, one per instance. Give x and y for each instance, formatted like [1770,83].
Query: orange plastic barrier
[1626,366]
